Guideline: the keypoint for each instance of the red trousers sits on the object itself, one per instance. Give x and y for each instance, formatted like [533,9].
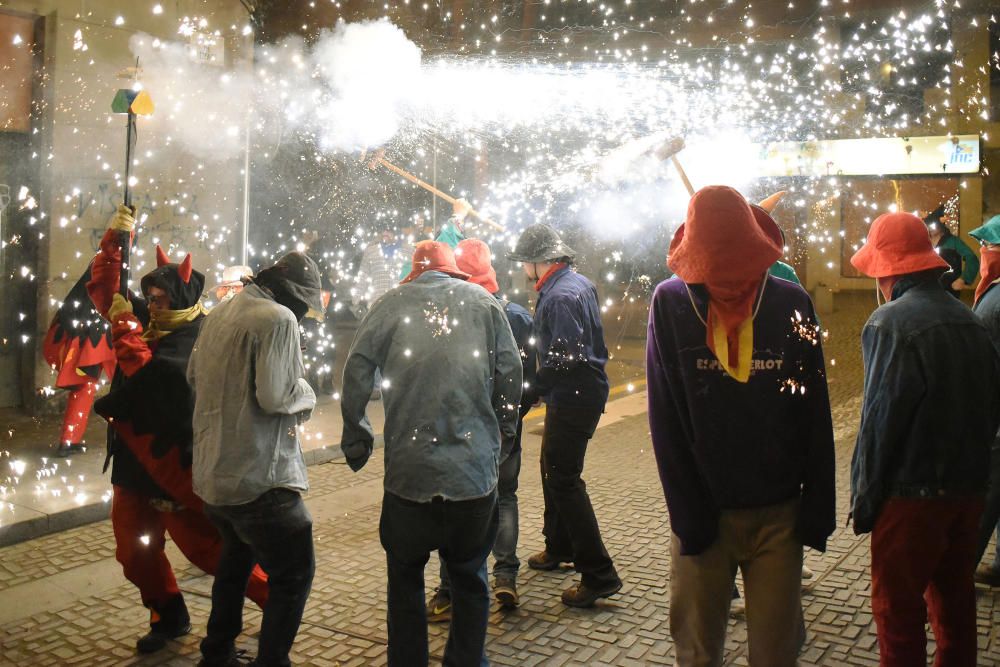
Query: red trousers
[140,536]
[78,405]
[923,559]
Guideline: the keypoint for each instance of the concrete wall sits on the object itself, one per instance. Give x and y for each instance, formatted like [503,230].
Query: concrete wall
[81,146]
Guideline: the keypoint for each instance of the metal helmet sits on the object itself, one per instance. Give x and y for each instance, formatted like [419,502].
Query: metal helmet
[540,243]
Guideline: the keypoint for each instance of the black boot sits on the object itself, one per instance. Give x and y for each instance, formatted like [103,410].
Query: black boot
[66,449]
[167,621]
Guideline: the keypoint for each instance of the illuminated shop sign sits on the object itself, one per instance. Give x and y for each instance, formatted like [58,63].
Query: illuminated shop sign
[957,154]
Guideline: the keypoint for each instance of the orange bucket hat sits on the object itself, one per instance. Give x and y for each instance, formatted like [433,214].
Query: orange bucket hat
[724,239]
[897,244]
[474,257]
[434,256]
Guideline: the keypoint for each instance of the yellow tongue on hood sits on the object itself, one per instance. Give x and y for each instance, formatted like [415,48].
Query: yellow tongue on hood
[740,372]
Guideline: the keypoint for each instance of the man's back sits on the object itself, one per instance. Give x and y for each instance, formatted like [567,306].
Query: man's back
[441,344]
[931,397]
[571,337]
[724,444]
[245,424]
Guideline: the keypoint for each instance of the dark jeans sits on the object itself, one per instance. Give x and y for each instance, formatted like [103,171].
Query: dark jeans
[570,529]
[462,533]
[505,546]
[276,531]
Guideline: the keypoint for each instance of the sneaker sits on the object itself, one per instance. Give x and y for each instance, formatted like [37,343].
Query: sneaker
[66,449]
[988,576]
[505,590]
[737,607]
[808,577]
[546,561]
[583,595]
[439,608]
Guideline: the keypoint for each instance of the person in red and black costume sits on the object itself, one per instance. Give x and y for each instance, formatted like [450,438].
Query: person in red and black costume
[150,412]
[78,347]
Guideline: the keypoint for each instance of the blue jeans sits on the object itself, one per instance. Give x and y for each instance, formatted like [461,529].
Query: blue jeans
[505,547]
[276,531]
[462,533]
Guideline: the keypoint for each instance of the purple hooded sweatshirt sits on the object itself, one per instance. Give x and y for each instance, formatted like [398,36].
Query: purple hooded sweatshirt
[721,444]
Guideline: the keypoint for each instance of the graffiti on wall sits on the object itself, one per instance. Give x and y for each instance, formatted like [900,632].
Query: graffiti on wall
[175,223]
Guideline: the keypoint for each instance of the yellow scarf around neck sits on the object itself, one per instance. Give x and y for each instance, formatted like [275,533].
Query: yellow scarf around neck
[165,321]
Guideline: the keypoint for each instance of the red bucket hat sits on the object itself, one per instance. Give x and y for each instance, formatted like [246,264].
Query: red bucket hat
[434,256]
[897,244]
[724,239]
[474,257]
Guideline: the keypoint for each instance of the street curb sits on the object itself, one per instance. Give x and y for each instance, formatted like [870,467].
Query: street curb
[46,524]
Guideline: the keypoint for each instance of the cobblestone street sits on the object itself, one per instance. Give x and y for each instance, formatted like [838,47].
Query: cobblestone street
[64,601]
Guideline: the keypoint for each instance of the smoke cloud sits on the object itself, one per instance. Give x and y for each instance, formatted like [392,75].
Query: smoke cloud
[347,91]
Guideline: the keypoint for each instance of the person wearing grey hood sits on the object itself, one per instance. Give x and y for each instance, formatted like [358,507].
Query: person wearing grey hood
[250,390]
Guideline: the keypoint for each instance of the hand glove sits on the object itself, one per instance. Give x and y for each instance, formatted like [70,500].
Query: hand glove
[123,220]
[119,305]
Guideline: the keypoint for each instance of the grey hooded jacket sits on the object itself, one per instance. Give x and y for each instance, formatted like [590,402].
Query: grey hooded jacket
[247,375]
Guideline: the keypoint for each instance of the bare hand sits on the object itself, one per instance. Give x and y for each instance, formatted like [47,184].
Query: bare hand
[958,285]
[461,208]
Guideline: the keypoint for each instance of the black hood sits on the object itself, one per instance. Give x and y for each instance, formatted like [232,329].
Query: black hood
[170,278]
[295,282]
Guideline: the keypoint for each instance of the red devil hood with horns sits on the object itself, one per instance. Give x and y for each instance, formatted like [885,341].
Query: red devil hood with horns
[150,405]
[181,282]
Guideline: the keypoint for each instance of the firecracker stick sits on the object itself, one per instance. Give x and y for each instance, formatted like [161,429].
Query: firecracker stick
[378,159]
[133,103]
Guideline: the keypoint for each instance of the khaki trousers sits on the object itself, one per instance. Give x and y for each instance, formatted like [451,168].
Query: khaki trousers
[763,544]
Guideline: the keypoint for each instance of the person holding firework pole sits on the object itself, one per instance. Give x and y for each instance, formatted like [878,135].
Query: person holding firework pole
[150,409]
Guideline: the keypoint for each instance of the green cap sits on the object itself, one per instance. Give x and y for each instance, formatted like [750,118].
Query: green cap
[988,233]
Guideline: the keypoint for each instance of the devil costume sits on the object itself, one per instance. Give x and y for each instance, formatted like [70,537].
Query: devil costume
[150,411]
[78,347]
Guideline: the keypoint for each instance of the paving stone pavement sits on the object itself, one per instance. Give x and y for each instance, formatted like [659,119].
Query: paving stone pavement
[94,615]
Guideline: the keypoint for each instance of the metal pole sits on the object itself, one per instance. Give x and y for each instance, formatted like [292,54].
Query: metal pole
[245,240]
[434,179]
[125,238]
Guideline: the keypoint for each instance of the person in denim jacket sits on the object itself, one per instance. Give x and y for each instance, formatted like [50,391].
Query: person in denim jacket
[451,394]
[917,480]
